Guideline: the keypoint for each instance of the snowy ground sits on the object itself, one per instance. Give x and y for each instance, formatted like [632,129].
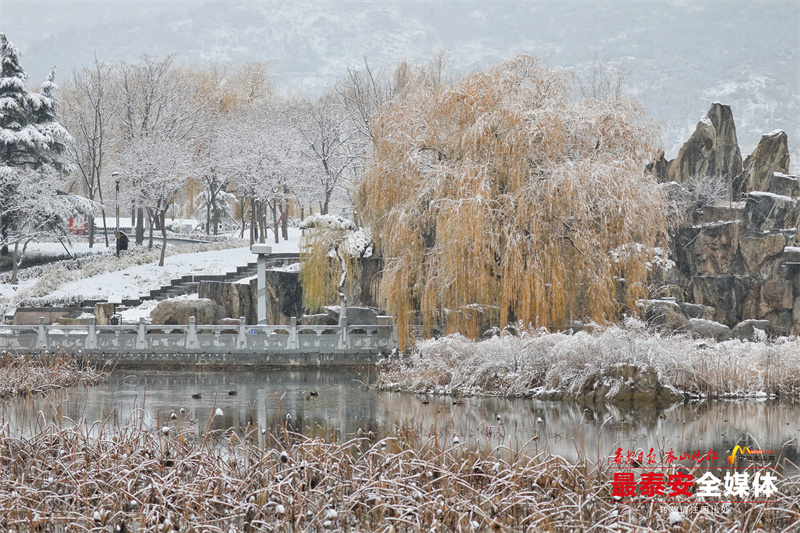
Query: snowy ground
[131,275]
[75,247]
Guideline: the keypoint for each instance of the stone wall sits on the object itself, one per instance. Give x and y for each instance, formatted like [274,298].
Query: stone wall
[285,294]
[736,254]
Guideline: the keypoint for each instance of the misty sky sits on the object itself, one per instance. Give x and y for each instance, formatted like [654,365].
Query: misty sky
[680,56]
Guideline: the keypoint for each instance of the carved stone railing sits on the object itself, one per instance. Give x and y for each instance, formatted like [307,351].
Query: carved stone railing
[243,344]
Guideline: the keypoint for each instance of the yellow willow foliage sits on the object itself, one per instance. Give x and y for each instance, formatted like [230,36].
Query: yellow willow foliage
[500,198]
[322,267]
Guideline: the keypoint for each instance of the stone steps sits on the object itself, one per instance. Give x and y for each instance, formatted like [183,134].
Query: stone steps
[189,284]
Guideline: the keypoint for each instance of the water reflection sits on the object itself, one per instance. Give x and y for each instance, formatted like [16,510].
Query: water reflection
[319,401]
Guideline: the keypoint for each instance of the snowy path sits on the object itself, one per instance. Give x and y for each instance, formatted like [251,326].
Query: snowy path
[139,279]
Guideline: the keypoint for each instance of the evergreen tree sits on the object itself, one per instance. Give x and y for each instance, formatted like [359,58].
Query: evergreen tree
[30,135]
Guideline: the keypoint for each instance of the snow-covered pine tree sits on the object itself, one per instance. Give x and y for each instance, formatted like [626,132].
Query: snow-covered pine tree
[30,135]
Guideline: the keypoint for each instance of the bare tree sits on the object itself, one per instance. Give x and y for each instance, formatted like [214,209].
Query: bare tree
[332,143]
[161,168]
[156,101]
[259,149]
[88,104]
[224,90]
[603,80]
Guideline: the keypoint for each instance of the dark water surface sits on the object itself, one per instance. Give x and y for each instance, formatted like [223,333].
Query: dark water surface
[320,401]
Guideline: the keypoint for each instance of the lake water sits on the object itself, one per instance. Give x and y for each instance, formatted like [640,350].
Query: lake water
[324,400]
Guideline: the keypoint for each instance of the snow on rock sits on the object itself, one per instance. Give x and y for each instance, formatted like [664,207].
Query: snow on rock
[329,222]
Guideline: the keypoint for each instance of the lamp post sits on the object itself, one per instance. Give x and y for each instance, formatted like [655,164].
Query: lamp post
[115,175]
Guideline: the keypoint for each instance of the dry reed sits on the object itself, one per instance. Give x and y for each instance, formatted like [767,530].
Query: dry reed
[107,478]
[22,375]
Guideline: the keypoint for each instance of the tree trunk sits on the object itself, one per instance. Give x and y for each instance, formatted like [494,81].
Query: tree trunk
[215,218]
[285,220]
[14,264]
[252,222]
[243,208]
[90,223]
[4,235]
[105,228]
[16,260]
[103,211]
[150,229]
[139,226]
[327,202]
[163,237]
[208,219]
[274,207]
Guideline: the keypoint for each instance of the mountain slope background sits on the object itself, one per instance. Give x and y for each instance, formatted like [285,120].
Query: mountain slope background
[679,56]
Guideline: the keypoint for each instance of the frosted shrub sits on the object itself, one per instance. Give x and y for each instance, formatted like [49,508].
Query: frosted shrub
[537,361]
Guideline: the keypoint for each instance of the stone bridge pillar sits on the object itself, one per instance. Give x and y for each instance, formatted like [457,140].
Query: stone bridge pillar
[262,250]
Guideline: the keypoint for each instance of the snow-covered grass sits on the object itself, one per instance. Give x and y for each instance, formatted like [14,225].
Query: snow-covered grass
[132,274]
[538,362]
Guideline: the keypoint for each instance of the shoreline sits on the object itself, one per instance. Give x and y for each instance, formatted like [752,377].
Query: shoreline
[619,365]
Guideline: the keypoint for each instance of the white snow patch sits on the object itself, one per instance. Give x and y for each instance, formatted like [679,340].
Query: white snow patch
[101,279]
[771,194]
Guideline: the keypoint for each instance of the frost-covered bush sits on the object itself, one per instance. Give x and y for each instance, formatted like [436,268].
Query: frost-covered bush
[573,364]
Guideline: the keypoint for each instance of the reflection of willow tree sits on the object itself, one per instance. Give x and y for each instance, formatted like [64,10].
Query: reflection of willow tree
[499,198]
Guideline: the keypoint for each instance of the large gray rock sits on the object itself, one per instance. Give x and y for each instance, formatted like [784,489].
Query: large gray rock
[715,247]
[697,311]
[320,319]
[746,330]
[765,211]
[726,294]
[666,315]
[711,152]
[709,329]
[694,157]
[770,156]
[726,161]
[721,211]
[757,248]
[659,168]
[710,249]
[356,316]
[235,298]
[177,312]
[767,296]
[284,296]
[784,185]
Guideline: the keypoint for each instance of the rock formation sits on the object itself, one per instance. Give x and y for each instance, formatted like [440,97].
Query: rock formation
[736,263]
[770,156]
[711,152]
[177,312]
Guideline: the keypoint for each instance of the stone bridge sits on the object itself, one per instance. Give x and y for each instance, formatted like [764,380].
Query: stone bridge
[168,345]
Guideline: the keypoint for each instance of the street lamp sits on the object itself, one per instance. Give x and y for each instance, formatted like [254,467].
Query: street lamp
[115,175]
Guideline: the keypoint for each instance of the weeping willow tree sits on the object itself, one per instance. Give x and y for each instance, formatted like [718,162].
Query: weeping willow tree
[330,251]
[501,198]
